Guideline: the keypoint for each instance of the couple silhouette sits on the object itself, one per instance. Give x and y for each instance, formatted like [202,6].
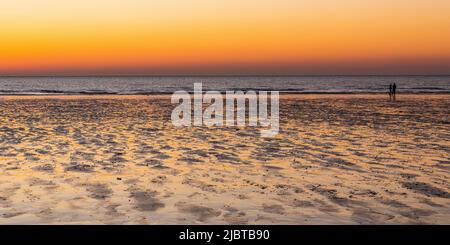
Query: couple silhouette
[392,91]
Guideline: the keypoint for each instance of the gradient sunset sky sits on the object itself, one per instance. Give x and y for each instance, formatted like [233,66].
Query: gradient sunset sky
[227,37]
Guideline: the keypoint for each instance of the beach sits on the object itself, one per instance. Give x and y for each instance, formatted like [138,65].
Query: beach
[117,159]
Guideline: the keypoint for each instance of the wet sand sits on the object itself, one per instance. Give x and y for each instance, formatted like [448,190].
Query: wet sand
[338,159]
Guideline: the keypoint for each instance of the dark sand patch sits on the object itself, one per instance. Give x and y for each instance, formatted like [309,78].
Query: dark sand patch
[394,203]
[154,163]
[190,160]
[85,168]
[331,194]
[12,214]
[45,168]
[147,201]
[431,203]
[160,179]
[426,189]
[273,208]
[99,191]
[234,216]
[369,216]
[201,213]
[416,213]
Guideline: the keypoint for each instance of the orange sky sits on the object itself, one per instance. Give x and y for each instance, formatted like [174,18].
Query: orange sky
[102,37]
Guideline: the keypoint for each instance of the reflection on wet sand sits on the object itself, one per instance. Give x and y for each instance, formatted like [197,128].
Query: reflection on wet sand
[338,159]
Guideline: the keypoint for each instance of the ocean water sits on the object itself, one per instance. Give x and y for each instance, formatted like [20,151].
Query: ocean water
[146,85]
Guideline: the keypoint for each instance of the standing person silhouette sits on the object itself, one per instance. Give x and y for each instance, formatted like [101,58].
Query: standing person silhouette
[394,90]
[390,91]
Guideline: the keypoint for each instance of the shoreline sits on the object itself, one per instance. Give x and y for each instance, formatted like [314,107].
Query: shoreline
[220,91]
[401,96]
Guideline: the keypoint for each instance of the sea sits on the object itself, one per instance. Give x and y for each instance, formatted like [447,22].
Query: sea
[169,84]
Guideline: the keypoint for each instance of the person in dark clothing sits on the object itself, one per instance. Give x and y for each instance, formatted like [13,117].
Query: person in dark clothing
[394,90]
[390,91]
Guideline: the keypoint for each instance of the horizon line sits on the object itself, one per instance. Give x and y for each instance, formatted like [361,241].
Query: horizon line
[233,75]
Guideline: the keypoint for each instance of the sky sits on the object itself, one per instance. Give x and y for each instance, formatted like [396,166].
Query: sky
[226,37]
